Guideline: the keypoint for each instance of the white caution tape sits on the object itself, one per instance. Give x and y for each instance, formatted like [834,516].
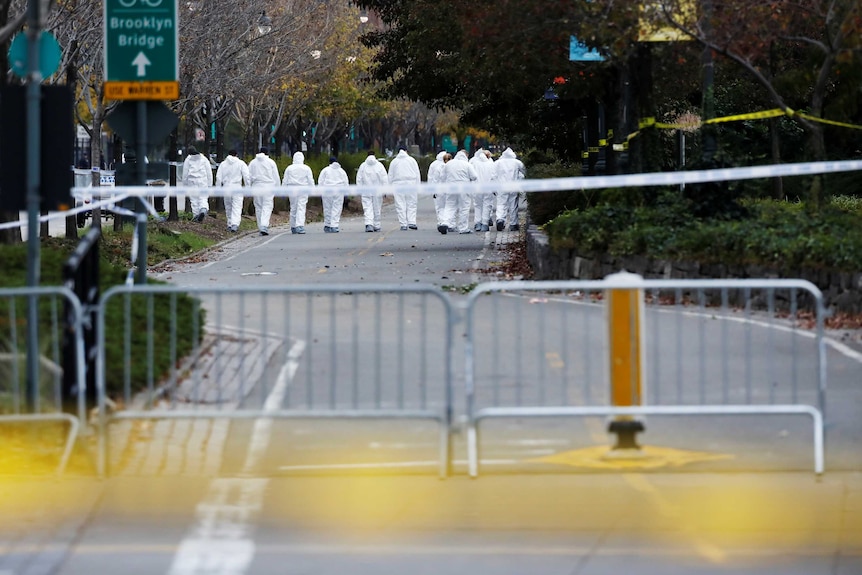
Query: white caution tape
[526,185]
[108,204]
[117,194]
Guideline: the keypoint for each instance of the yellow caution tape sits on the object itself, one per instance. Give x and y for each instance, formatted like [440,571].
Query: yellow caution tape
[825,121]
[651,122]
[646,123]
[751,116]
[774,113]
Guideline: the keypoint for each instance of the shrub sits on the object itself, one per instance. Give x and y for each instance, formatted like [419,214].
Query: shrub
[781,235]
[184,312]
[544,206]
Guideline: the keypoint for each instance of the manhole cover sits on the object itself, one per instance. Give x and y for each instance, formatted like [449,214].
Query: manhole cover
[260,274]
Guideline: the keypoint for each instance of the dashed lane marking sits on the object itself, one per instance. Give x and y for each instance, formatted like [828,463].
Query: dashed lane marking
[221,542]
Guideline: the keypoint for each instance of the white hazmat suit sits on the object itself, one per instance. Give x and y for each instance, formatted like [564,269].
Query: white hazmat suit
[331,176]
[372,173]
[508,168]
[483,203]
[456,214]
[437,175]
[298,174]
[197,173]
[233,172]
[264,173]
[404,169]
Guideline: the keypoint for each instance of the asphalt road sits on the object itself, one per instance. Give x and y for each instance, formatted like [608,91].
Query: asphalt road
[351,256]
[712,495]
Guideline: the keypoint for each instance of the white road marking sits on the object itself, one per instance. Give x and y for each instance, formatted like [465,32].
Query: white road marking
[221,542]
[244,251]
[388,465]
[838,346]
[535,442]
[263,426]
[474,269]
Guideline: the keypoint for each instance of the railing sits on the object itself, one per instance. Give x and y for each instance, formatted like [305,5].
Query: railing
[351,352]
[40,397]
[381,352]
[699,347]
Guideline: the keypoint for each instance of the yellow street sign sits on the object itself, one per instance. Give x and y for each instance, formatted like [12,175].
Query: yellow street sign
[142,90]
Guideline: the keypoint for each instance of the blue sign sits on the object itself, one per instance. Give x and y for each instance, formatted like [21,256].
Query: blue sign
[578,52]
[49,54]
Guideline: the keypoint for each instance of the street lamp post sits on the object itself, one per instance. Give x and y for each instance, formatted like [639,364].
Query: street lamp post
[34,183]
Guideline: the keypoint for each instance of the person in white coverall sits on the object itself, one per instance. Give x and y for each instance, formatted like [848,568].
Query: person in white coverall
[263,172]
[298,174]
[483,202]
[197,173]
[404,169]
[233,172]
[436,175]
[372,173]
[508,168]
[456,214]
[333,202]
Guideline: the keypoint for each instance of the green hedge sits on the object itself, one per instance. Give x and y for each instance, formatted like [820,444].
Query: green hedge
[545,206]
[773,233]
[54,253]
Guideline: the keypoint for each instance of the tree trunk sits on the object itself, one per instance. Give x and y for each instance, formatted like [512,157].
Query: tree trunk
[11,235]
[44,231]
[95,157]
[818,197]
[777,183]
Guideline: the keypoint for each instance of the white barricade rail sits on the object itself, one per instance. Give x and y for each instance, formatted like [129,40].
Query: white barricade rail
[57,307]
[707,347]
[333,352]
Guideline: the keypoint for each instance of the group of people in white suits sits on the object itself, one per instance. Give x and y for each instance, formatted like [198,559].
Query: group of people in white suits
[489,208]
[453,209]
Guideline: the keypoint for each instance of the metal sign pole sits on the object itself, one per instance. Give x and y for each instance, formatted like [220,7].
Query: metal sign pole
[33,147]
[141,165]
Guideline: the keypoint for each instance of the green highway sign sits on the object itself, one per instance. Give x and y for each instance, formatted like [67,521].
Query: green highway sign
[141,41]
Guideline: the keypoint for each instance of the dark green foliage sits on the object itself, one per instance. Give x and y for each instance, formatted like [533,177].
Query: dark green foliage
[143,368]
[718,200]
[545,206]
[781,235]
[138,352]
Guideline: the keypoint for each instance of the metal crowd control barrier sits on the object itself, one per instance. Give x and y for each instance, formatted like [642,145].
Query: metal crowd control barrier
[345,352]
[60,332]
[553,357]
